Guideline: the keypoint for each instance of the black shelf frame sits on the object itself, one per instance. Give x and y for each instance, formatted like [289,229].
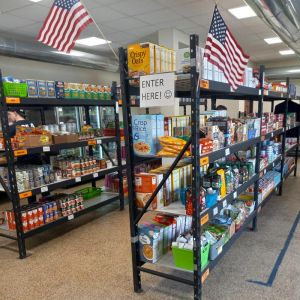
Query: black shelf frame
[11,187]
[188,86]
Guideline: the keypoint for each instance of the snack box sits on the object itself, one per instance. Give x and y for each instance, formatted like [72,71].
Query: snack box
[59,90]
[37,140]
[141,59]
[88,91]
[32,88]
[150,241]
[51,89]
[74,90]
[67,89]
[42,88]
[146,130]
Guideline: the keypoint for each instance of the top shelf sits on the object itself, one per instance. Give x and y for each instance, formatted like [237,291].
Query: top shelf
[14,101]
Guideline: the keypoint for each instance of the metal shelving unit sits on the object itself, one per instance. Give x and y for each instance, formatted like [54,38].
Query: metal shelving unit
[17,198]
[186,87]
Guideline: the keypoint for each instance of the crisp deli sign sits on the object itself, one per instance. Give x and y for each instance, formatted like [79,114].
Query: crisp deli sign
[157,90]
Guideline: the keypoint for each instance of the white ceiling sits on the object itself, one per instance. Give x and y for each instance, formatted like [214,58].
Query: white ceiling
[126,21]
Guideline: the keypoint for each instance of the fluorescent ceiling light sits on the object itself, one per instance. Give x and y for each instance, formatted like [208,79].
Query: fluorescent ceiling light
[287,52]
[273,40]
[35,0]
[72,53]
[92,41]
[242,12]
[294,71]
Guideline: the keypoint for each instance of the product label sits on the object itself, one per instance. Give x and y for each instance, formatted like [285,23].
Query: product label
[234,195]
[204,219]
[204,84]
[205,275]
[20,152]
[44,189]
[224,203]
[78,179]
[215,211]
[25,195]
[220,249]
[227,151]
[46,149]
[10,100]
[70,217]
[204,161]
[92,143]
[99,142]
[95,175]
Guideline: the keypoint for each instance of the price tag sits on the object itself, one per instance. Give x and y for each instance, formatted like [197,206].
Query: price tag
[259,92]
[25,195]
[46,149]
[92,143]
[204,219]
[99,142]
[117,107]
[272,134]
[120,101]
[12,100]
[204,161]
[273,164]
[205,275]
[70,217]
[220,249]
[20,152]
[224,203]
[227,151]
[95,175]
[234,195]
[204,84]
[78,179]
[265,171]
[215,211]
[44,189]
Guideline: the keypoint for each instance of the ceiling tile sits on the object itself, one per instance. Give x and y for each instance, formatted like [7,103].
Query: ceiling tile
[144,31]
[126,23]
[106,14]
[136,7]
[172,3]
[7,5]
[159,16]
[29,30]
[195,8]
[11,22]
[120,37]
[39,15]
[231,4]
[177,24]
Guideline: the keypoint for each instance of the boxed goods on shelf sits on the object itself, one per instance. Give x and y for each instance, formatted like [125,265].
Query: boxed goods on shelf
[14,87]
[27,137]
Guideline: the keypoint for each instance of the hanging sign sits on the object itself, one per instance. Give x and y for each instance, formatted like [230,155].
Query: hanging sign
[157,90]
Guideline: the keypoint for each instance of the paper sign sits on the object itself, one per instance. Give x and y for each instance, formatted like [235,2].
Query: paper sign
[95,175]
[99,142]
[220,249]
[215,211]
[157,90]
[70,217]
[227,151]
[204,161]
[234,195]
[46,149]
[44,189]
[205,275]
[10,100]
[20,152]
[78,179]
[92,142]
[204,219]
[204,84]
[25,195]
[224,203]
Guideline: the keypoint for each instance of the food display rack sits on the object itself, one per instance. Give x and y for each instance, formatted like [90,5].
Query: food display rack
[186,87]
[11,188]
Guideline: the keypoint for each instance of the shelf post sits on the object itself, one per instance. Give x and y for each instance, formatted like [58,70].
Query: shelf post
[12,181]
[284,134]
[133,212]
[297,149]
[118,138]
[258,145]
[195,112]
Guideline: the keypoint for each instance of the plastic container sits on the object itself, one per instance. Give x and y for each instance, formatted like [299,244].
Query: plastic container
[211,199]
[89,192]
[12,89]
[183,258]
[216,248]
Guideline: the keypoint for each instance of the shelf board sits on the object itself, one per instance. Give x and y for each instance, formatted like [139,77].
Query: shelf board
[292,127]
[57,147]
[289,172]
[272,134]
[57,102]
[291,148]
[67,182]
[89,205]
[272,164]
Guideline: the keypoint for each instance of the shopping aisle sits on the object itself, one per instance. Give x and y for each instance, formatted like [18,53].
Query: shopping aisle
[94,261]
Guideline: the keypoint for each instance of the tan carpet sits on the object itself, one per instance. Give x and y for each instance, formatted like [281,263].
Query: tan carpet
[90,258]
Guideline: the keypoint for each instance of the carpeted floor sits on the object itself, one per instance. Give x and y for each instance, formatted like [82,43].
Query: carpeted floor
[90,258]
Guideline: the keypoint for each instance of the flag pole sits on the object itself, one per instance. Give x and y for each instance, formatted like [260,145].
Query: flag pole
[101,32]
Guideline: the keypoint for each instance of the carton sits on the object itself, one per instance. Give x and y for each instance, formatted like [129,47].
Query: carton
[141,59]
[150,241]
[42,88]
[37,140]
[59,90]
[67,89]
[32,88]
[51,89]
[65,138]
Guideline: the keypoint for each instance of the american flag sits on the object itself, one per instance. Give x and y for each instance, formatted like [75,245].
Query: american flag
[63,25]
[223,51]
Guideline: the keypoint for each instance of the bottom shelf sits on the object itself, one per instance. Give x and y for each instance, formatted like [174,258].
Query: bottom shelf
[289,172]
[89,205]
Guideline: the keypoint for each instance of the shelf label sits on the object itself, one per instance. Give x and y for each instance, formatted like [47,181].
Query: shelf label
[265,171]
[273,164]
[272,134]
[95,175]
[224,203]
[227,151]
[70,217]
[25,195]
[204,219]
[215,211]
[44,189]
[235,195]
[92,143]
[99,142]
[120,101]
[263,138]
[20,152]
[117,107]
[12,100]
[78,179]
[46,149]
[157,90]
[204,84]
[205,275]
[204,161]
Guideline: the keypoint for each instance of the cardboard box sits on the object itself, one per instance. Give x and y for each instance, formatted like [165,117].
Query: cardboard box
[51,89]
[65,138]
[42,88]
[37,140]
[32,88]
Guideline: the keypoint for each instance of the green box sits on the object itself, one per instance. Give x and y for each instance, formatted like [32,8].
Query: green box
[12,89]
[89,192]
[184,258]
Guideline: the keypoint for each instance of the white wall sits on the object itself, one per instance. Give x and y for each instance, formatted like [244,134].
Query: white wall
[30,69]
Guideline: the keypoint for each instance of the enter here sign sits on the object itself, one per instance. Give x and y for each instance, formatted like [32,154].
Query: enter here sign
[157,90]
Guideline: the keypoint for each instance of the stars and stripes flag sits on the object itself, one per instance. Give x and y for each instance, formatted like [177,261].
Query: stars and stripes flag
[223,51]
[63,25]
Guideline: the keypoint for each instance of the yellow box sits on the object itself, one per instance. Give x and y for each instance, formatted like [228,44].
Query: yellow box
[157,59]
[141,59]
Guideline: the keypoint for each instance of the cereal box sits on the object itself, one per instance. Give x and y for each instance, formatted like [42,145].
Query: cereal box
[32,88]
[146,129]
[141,59]
[67,87]
[42,88]
[51,89]
[59,90]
